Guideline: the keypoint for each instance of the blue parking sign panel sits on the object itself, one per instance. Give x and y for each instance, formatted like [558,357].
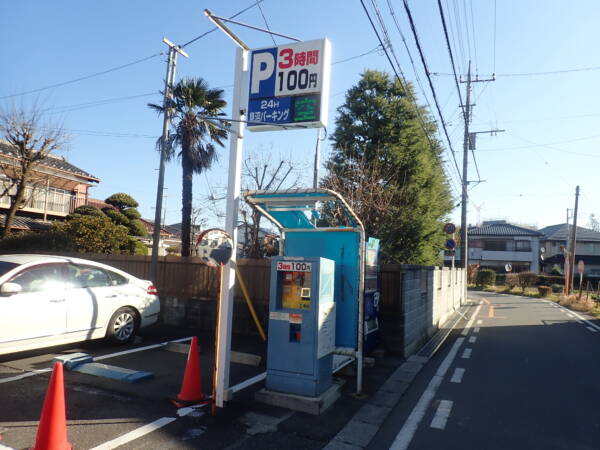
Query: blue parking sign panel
[289,86]
[269,110]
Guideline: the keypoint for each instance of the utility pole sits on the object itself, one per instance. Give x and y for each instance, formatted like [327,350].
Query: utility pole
[468,144]
[317,160]
[573,245]
[169,79]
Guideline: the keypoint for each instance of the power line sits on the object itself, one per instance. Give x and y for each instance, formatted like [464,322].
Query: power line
[473,34]
[75,80]
[495,36]
[386,36]
[262,13]
[122,66]
[258,2]
[464,3]
[433,92]
[91,104]
[376,49]
[442,16]
[458,31]
[412,62]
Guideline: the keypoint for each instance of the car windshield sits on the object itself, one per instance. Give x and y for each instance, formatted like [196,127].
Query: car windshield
[6,267]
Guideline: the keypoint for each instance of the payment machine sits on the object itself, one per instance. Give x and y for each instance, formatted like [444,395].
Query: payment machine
[301,325]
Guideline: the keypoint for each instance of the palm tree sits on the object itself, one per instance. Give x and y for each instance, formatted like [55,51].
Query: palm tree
[194,109]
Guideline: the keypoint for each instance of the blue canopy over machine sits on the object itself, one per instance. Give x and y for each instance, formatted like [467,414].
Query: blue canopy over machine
[296,214]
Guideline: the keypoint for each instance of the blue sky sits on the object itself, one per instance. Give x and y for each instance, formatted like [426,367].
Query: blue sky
[530,171]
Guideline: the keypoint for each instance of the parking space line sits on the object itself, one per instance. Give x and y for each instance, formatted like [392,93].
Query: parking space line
[472,339]
[592,330]
[143,430]
[476,330]
[466,353]
[96,358]
[457,377]
[140,349]
[442,414]
[24,375]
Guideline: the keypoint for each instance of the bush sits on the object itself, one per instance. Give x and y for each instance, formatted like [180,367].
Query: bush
[547,280]
[90,234]
[486,277]
[88,210]
[500,279]
[557,288]
[132,213]
[49,241]
[512,280]
[544,291]
[136,228]
[527,279]
[140,248]
[122,201]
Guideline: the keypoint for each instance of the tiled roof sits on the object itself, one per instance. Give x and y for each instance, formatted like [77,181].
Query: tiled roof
[26,223]
[559,232]
[55,162]
[501,229]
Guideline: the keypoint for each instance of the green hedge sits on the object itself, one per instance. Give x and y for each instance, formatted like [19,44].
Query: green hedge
[486,277]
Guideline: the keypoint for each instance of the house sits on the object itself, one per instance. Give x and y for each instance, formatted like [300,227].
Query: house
[59,188]
[587,249]
[494,244]
[170,237]
[267,239]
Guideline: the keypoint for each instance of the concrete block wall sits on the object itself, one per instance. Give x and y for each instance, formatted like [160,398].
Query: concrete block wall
[429,296]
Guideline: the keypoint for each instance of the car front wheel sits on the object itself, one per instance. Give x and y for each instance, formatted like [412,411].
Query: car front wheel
[122,326]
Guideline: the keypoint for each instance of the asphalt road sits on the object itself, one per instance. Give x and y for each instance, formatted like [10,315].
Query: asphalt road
[524,375]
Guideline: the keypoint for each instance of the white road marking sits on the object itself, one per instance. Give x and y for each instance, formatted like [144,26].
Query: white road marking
[472,339]
[139,349]
[24,375]
[579,321]
[96,358]
[458,375]
[143,430]
[441,415]
[578,316]
[592,330]
[408,430]
[467,353]
[479,322]
[476,330]
[469,324]
[248,382]
[135,434]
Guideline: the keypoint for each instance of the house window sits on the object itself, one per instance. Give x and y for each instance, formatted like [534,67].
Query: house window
[522,246]
[496,246]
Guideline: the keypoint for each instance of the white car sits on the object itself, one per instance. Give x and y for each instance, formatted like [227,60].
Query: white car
[54,300]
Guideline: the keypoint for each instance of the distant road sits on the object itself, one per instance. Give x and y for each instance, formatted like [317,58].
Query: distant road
[524,375]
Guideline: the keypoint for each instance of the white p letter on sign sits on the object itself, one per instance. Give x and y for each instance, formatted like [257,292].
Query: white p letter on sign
[263,65]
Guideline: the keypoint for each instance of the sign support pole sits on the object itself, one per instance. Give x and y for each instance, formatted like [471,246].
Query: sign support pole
[223,357]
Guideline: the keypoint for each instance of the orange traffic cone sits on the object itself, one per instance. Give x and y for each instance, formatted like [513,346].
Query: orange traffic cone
[52,430]
[191,388]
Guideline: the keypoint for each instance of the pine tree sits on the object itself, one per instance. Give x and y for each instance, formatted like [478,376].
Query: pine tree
[390,169]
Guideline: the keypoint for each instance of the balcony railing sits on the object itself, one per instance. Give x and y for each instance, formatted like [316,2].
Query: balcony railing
[53,201]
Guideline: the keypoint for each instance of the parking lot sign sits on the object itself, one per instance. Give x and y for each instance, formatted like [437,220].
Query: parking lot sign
[289,86]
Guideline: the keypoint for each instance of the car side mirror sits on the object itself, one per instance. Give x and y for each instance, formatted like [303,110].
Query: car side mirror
[10,289]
